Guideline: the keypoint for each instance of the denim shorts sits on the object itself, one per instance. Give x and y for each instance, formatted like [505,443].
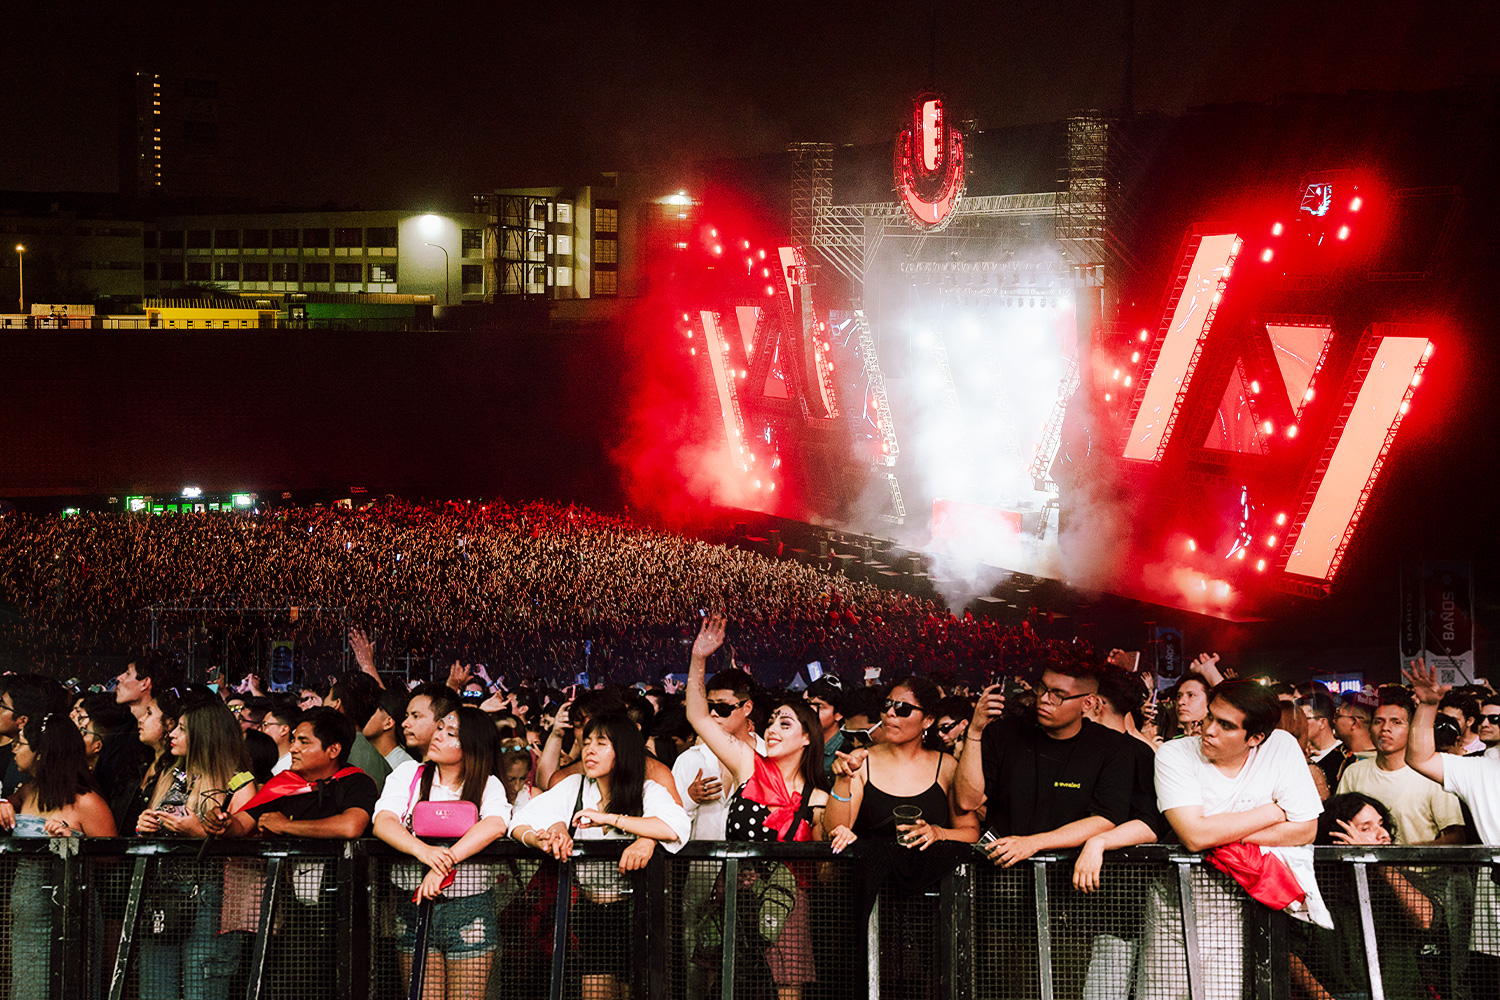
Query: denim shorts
[460,925]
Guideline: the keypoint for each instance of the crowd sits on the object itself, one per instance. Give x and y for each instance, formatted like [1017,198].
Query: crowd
[540,589]
[1075,753]
[1071,752]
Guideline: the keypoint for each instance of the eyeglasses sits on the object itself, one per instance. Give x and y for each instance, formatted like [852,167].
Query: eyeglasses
[724,709]
[7,708]
[901,708]
[947,727]
[1493,720]
[1044,693]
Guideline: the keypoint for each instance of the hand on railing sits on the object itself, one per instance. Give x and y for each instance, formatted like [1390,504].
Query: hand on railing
[439,859]
[841,837]
[637,855]
[7,815]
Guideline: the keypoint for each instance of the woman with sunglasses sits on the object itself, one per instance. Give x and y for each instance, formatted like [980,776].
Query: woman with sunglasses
[777,797]
[59,800]
[900,773]
[195,798]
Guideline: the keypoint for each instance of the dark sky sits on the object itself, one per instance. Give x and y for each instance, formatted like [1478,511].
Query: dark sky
[421,103]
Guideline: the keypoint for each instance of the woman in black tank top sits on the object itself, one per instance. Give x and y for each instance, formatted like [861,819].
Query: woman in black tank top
[869,786]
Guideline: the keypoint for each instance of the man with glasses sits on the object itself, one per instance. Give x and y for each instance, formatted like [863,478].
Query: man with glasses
[1051,780]
[1463,708]
[702,775]
[1351,721]
[1323,747]
[278,723]
[1489,723]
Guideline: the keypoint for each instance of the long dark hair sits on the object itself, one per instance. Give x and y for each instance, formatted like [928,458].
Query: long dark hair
[812,754]
[1347,806]
[61,772]
[161,765]
[481,748]
[627,782]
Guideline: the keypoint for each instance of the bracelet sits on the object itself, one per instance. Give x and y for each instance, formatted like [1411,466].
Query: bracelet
[534,833]
[976,739]
[841,798]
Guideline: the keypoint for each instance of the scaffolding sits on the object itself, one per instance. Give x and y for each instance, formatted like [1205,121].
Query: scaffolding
[812,188]
[1095,213]
[520,237]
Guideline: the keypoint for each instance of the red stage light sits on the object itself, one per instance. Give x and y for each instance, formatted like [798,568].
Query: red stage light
[1271,541]
[1281,519]
[714,233]
[718,249]
[747,244]
[1343,232]
[1266,255]
[1127,381]
[1192,545]
[1254,386]
[1269,426]
[762,255]
[765,272]
[1241,553]
[1145,336]
[1135,357]
[1275,231]
[1354,206]
[770,290]
[1117,374]
[690,335]
[1260,565]
[1106,397]
[1291,431]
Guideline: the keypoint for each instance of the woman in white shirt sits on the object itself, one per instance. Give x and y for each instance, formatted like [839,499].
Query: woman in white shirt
[611,799]
[461,935]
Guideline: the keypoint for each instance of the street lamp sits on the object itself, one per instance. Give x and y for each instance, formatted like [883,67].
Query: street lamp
[445,270]
[21,270]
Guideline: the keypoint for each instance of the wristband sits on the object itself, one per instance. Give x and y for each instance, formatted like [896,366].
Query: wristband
[976,739]
[841,798]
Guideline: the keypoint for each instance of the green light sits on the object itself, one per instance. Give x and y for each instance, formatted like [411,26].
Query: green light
[243,500]
[135,504]
[69,511]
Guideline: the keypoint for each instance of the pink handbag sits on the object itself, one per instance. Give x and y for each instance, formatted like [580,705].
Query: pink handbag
[439,819]
[443,819]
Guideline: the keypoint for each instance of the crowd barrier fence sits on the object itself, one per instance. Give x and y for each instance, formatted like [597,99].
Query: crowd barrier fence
[141,919]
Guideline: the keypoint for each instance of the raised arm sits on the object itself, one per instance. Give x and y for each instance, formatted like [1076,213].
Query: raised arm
[1421,750]
[737,756]
[968,792]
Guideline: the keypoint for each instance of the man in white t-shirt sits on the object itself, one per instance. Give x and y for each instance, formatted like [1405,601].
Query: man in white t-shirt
[1243,780]
[1475,780]
[1424,813]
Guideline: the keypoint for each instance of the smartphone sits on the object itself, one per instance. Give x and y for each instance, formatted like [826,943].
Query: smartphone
[985,840]
[1011,688]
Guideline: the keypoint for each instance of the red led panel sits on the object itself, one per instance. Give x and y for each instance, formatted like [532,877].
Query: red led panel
[718,360]
[1234,427]
[1200,282]
[1299,351]
[748,318]
[1358,451]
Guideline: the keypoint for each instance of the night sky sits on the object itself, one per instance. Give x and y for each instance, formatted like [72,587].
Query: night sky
[421,105]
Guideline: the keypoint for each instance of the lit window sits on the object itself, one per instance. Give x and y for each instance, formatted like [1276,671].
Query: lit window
[604,283]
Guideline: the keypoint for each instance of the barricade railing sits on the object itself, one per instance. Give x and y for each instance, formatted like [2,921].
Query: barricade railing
[138,919]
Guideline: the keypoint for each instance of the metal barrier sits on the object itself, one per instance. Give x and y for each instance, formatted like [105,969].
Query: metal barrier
[134,919]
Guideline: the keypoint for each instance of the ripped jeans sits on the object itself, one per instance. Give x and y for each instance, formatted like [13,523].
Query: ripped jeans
[462,926]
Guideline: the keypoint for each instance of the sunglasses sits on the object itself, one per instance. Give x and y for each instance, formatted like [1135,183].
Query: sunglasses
[902,708]
[724,709]
[949,726]
[1493,720]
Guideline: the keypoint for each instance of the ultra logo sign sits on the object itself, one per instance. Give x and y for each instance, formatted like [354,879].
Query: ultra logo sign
[929,165]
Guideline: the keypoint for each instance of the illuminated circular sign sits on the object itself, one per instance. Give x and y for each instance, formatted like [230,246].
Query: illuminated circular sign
[929,165]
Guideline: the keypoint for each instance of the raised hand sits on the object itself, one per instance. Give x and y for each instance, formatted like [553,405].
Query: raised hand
[363,648]
[987,709]
[459,676]
[710,637]
[1424,682]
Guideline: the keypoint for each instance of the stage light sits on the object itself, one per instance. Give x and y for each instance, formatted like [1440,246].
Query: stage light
[1275,231]
[1354,205]
[1291,431]
[765,272]
[1192,545]
[773,486]
[1281,519]
[1428,352]
[1271,541]
[1241,554]
[1127,381]
[718,249]
[770,290]
[192,491]
[1254,385]
[1307,395]
[686,318]
[1343,232]
[762,255]
[1106,397]
[690,335]
[1269,426]
[693,351]
[1145,336]
[1260,565]
[713,233]
[1117,374]
[1416,379]
[747,244]
[1405,406]
[1266,255]
[1135,357]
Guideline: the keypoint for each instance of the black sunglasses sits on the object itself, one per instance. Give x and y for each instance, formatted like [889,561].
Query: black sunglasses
[1493,720]
[949,726]
[723,709]
[901,708]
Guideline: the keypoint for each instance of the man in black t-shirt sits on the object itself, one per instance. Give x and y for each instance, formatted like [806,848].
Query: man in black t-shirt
[1048,782]
[320,797]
